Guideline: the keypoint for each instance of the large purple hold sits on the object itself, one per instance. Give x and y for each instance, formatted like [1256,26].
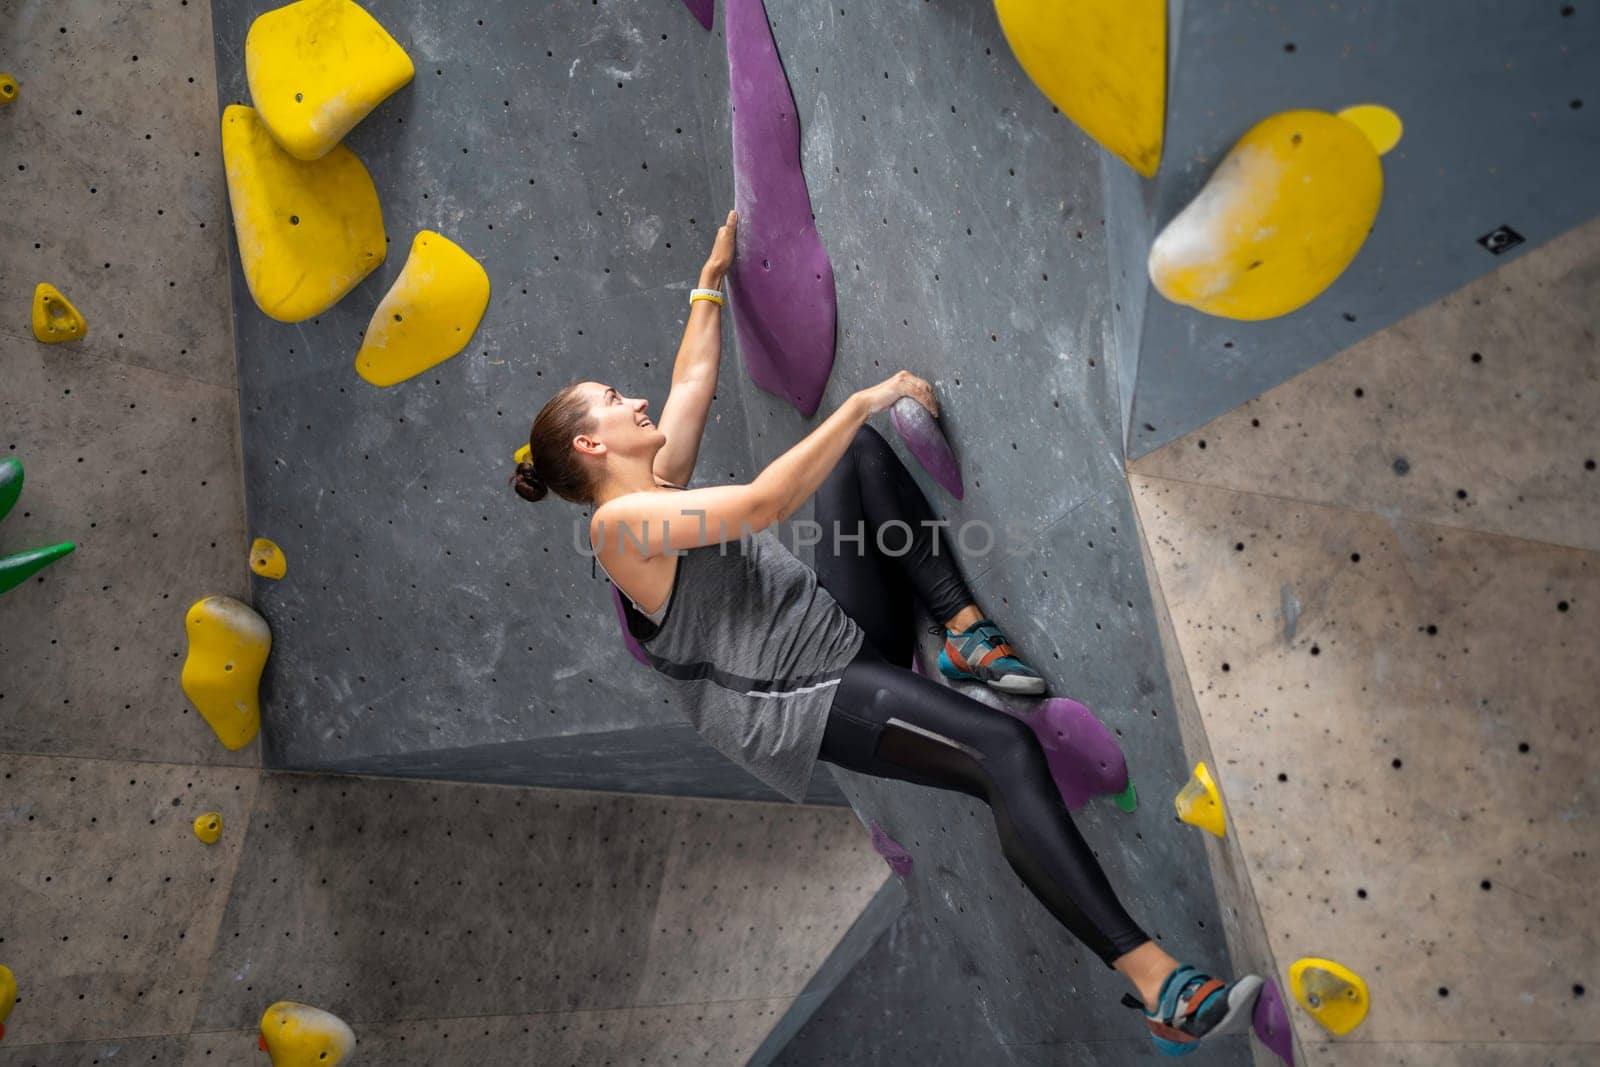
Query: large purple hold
[1084,757]
[891,850]
[627,635]
[1271,1022]
[921,433]
[702,10]
[781,281]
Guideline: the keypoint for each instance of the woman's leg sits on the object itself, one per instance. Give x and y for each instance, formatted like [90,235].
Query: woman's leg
[890,723]
[868,488]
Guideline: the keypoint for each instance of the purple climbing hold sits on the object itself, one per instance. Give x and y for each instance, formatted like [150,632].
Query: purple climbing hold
[627,635]
[891,850]
[781,282]
[1271,1022]
[702,10]
[1083,755]
[920,431]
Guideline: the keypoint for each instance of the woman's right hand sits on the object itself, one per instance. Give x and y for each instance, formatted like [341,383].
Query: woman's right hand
[882,396]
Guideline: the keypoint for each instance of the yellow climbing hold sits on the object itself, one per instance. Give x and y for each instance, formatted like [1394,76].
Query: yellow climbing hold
[1334,995]
[54,317]
[1103,63]
[523,455]
[1381,126]
[8,88]
[1282,217]
[307,232]
[228,646]
[267,559]
[1199,803]
[428,315]
[208,827]
[8,996]
[298,1035]
[316,68]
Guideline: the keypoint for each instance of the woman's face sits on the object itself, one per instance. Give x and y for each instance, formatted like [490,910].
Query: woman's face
[622,421]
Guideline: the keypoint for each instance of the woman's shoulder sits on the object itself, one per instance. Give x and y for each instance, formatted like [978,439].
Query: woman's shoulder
[597,520]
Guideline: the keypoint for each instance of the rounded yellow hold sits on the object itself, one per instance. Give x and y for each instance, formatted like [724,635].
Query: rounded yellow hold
[54,317]
[228,646]
[8,996]
[208,827]
[523,455]
[1335,995]
[308,233]
[267,559]
[1279,220]
[1103,63]
[8,88]
[1200,804]
[298,1035]
[428,315]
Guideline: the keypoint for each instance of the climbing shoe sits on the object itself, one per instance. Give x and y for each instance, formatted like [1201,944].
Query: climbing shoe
[981,653]
[1194,1006]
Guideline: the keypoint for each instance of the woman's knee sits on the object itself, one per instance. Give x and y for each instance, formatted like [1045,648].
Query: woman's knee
[1016,748]
[868,441]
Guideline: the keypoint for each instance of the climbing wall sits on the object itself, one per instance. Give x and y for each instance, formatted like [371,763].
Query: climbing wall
[1382,583]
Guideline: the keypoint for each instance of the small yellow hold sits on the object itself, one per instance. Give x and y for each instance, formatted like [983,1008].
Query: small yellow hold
[8,996]
[228,646]
[1281,218]
[308,233]
[523,455]
[8,88]
[316,68]
[208,827]
[54,317]
[428,315]
[1199,803]
[298,1035]
[267,559]
[1334,995]
[1381,126]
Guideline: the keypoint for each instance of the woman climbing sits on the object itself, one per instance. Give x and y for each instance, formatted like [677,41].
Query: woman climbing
[780,666]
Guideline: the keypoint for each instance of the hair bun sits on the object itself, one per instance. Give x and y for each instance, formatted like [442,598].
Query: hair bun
[527,483]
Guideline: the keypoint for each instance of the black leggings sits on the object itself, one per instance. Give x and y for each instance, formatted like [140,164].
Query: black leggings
[882,712]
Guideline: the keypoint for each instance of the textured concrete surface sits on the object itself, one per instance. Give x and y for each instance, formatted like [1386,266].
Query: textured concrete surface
[1501,104]
[129,437]
[1397,692]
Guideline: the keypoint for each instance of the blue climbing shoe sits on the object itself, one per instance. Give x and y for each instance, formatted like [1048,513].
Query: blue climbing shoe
[981,653]
[1193,1006]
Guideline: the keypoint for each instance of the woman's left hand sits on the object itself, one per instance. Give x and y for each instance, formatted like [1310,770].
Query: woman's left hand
[722,252]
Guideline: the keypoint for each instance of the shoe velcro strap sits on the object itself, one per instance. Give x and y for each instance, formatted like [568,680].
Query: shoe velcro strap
[994,653]
[1172,989]
[1192,1005]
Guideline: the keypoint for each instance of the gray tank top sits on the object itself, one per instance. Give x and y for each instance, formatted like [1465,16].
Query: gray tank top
[756,647]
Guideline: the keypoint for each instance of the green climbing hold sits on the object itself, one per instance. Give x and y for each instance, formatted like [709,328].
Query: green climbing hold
[19,567]
[1127,800]
[10,483]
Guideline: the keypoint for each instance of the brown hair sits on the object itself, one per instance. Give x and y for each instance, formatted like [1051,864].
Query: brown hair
[555,463]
